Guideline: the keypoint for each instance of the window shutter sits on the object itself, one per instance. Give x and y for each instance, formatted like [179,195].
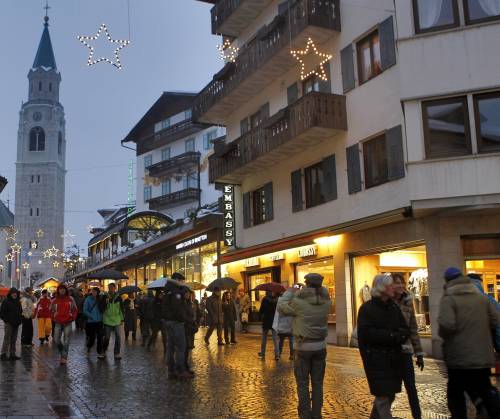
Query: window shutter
[247,222]
[292,93]
[353,169]
[325,86]
[395,154]
[329,185]
[387,43]
[244,126]
[297,204]
[264,112]
[347,64]
[268,196]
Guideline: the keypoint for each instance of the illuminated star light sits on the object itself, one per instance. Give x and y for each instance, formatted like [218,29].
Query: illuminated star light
[39,233]
[34,245]
[30,253]
[15,248]
[47,254]
[9,257]
[91,61]
[26,265]
[68,236]
[227,52]
[319,69]
[11,234]
[55,264]
[53,251]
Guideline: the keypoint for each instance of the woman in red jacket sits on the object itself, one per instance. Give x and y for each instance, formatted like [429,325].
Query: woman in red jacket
[64,312]
[44,318]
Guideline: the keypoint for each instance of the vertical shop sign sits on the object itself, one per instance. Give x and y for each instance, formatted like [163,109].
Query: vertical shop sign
[229,229]
[130,192]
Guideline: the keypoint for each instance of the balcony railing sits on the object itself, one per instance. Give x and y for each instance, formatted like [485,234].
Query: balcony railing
[174,198]
[231,17]
[311,119]
[168,135]
[266,57]
[168,166]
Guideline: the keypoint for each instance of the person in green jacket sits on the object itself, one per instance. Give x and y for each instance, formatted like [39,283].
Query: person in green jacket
[112,319]
[309,307]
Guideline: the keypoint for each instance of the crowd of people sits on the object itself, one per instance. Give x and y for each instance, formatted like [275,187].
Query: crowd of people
[469,325]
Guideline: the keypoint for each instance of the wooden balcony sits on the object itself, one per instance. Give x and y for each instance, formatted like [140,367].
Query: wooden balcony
[173,199]
[266,57]
[169,166]
[168,135]
[310,120]
[231,17]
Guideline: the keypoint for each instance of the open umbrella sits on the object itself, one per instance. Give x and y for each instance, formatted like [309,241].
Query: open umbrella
[129,289]
[195,286]
[223,284]
[107,274]
[159,283]
[274,287]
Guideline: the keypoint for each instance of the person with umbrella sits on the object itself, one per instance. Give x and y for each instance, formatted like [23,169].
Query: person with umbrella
[229,318]
[191,325]
[154,314]
[130,310]
[112,319]
[266,313]
[244,312]
[214,316]
[144,306]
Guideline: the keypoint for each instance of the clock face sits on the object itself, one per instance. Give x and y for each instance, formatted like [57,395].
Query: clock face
[37,116]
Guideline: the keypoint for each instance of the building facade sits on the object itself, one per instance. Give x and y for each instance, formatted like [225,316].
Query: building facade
[41,169]
[6,225]
[363,163]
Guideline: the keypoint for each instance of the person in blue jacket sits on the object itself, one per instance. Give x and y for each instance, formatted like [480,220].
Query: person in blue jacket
[94,327]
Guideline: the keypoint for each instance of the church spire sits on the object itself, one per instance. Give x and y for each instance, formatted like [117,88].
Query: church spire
[45,54]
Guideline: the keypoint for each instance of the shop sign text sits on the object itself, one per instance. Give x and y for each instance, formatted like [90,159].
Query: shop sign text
[229,229]
[252,262]
[277,256]
[306,251]
[191,242]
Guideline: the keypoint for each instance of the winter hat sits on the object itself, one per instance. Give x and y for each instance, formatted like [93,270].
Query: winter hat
[314,280]
[452,273]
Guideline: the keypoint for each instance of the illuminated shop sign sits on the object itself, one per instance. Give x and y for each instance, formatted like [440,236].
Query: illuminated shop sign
[191,242]
[277,256]
[229,229]
[306,251]
[252,262]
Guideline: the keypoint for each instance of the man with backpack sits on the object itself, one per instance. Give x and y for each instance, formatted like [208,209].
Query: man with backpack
[112,319]
[93,325]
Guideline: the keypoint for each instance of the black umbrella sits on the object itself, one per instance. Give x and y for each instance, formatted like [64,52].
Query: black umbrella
[129,289]
[223,284]
[107,274]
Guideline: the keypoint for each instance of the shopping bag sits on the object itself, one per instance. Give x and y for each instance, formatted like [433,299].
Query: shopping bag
[244,317]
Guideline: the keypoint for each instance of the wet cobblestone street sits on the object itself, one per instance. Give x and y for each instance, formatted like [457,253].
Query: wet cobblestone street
[230,382]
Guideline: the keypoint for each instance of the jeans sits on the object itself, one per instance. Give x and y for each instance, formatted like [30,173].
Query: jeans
[229,328]
[107,337]
[211,329]
[9,339]
[44,328]
[176,346]
[94,331]
[27,332]
[382,407]
[476,383]
[310,365]
[264,342]
[411,388]
[282,342]
[62,337]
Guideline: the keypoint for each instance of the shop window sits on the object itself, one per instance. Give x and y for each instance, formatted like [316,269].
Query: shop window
[432,15]
[487,109]
[369,63]
[489,272]
[252,279]
[446,128]
[411,263]
[481,10]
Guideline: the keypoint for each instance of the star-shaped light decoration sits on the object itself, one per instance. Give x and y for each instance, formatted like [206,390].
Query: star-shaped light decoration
[15,248]
[30,253]
[63,255]
[11,234]
[122,43]
[315,61]
[68,237]
[47,254]
[53,251]
[34,245]
[55,264]
[26,265]
[39,233]
[227,52]
[9,257]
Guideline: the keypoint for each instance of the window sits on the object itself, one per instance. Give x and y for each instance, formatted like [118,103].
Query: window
[165,187]
[162,125]
[487,108]
[39,86]
[446,128]
[165,153]
[431,15]
[314,185]
[147,193]
[38,212]
[189,144]
[38,178]
[292,93]
[50,87]
[37,139]
[481,10]
[188,114]
[60,143]
[31,212]
[310,84]
[190,180]
[375,159]
[207,139]
[32,178]
[259,206]
[369,64]
[148,160]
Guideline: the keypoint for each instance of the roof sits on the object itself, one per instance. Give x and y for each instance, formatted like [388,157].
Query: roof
[45,54]
[6,216]
[168,104]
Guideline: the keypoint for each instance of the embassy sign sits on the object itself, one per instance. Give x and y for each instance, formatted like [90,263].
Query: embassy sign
[229,227]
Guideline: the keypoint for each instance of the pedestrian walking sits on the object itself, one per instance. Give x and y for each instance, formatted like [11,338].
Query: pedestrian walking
[466,320]
[412,346]
[79,300]
[382,330]
[64,313]
[215,318]
[309,307]
[174,314]
[145,304]
[282,324]
[266,313]
[203,309]
[11,313]
[28,306]
[229,318]
[112,319]
[191,325]
[154,313]
[130,311]
[94,328]
[244,313]
[44,317]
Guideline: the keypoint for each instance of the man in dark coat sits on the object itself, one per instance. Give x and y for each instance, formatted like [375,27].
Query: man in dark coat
[11,313]
[214,316]
[266,312]
[144,306]
[154,315]
[382,330]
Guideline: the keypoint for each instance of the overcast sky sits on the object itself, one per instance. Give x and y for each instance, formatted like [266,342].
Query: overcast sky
[171,49]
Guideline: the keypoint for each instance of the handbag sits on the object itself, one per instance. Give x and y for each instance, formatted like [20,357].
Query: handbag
[244,317]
